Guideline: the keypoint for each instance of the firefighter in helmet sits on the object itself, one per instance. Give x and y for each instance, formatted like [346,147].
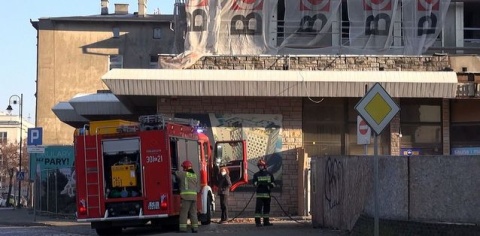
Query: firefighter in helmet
[188,193]
[264,182]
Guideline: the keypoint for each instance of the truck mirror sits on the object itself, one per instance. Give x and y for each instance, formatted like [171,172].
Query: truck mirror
[218,155]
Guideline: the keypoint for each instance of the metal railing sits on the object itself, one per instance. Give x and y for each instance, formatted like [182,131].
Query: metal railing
[54,193]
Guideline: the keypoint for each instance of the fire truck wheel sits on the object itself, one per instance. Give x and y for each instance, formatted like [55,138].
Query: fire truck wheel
[109,231]
[207,218]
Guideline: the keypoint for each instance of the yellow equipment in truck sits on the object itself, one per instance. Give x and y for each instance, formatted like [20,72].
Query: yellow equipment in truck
[108,126]
[124,176]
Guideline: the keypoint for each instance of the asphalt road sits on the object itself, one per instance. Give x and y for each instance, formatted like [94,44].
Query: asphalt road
[280,228]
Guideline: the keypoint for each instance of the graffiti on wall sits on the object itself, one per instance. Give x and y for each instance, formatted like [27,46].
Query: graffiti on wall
[334,182]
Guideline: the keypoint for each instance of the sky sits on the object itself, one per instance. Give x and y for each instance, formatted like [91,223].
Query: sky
[18,63]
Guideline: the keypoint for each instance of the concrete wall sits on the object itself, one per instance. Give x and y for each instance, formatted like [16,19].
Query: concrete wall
[424,188]
[445,188]
[72,57]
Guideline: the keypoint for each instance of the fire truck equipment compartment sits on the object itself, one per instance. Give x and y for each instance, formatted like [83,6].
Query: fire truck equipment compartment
[124,176]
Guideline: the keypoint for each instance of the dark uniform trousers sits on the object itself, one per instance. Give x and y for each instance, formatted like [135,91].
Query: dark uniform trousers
[264,182]
[262,209]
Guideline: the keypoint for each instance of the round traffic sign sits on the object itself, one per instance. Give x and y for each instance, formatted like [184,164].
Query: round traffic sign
[363,127]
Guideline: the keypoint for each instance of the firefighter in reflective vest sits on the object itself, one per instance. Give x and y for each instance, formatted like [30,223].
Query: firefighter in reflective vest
[264,182]
[188,194]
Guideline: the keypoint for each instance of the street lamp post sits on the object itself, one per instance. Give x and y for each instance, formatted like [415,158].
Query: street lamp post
[9,109]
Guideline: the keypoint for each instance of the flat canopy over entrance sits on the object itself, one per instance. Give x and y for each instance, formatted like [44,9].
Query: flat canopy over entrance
[278,83]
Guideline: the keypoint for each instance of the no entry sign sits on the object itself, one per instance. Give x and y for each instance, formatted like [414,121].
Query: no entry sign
[363,131]
[363,127]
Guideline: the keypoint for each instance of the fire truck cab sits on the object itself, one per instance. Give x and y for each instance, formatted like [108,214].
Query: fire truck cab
[124,171]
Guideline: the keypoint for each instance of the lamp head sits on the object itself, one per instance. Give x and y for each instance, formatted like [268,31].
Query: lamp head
[9,109]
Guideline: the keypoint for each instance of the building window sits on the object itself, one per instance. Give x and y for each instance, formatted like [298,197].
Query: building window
[115,61]
[471,21]
[330,128]
[3,137]
[153,62]
[345,25]
[421,126]
[116,32]
[465,127]
[323,126]
[157,33]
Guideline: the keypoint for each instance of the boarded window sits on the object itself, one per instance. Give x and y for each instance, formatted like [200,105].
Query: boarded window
[465,123]
[421,126]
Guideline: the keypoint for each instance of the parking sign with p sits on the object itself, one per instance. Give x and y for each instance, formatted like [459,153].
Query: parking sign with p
[34,136]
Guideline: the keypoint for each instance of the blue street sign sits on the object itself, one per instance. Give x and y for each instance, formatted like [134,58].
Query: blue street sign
[20,175]
[35,136]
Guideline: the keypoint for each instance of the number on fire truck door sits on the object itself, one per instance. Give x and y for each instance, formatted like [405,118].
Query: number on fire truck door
[153,159]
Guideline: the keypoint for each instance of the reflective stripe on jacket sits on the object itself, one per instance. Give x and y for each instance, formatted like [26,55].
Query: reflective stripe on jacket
[188,184]
[264,181]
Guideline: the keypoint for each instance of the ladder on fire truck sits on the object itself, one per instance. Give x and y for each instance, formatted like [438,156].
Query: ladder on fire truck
[159,121]
[92,173]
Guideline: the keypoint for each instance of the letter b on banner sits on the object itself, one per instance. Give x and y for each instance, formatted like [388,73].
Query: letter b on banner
[372,24]
[242,25]
[34,136]
[197,20]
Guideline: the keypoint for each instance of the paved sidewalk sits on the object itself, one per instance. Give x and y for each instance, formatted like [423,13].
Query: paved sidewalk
[26,217]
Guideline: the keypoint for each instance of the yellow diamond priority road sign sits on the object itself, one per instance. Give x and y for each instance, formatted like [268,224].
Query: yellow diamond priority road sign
[377,108]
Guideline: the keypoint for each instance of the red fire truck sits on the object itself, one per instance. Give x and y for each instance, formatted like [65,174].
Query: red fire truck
[124,171]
